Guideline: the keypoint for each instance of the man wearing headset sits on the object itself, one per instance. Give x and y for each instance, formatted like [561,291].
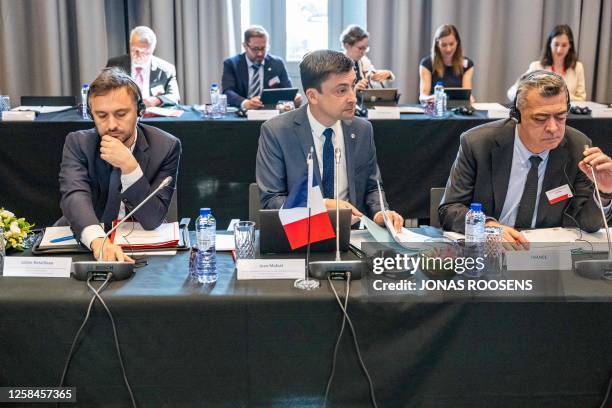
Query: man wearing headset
[108,170]
[531,170]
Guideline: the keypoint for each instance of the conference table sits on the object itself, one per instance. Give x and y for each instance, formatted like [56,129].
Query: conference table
[263,343]
[415,153]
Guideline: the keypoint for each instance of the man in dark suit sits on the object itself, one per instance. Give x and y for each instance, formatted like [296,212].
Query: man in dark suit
[530,171]
[109,170]
[246,75]
[325,124]
[155,77]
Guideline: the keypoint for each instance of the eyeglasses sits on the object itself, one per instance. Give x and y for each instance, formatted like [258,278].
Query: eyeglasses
[256,50]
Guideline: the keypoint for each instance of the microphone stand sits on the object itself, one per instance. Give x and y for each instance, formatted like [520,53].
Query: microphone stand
[321,269]
[306,283]
[597,268]
[119,270]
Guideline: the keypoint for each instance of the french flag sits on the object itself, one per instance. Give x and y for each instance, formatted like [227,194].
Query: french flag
[294,213]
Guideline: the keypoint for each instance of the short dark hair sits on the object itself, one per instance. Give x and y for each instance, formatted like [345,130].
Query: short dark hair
[255,31]
[353,34]
[571,58]
[317,66]
[113,78]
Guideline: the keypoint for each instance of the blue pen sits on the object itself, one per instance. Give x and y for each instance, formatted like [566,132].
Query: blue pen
[62,239]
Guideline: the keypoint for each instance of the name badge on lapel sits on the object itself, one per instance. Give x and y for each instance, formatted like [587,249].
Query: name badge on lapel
[273,81]
[556,195]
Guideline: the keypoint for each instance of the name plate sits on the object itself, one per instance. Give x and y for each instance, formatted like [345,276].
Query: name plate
[37,267]
[270,269]
[384,112]
[539,260]
[18,116]
[261,114]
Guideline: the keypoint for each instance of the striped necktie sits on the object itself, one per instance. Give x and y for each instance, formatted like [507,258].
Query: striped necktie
[255,88]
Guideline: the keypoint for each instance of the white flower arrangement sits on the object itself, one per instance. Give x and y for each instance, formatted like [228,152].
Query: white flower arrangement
[15,229]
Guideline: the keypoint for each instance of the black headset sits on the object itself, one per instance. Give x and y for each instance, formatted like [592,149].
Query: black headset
[140,105]
[515,113]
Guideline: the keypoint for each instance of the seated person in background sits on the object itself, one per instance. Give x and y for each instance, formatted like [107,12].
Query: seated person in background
[324,124]
[155,77]
[110,169]
[446,64]
[246,75]
[559,55]
[511,166]
[356,43]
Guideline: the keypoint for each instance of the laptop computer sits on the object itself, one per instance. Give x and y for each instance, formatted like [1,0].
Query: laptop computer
[457,97]
[272,238]
[270,97]
[372,96]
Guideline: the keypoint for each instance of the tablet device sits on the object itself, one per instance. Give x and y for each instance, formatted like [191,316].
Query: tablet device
[270,97]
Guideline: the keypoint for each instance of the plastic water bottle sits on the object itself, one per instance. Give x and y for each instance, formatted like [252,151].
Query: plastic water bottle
[475,239]
[205,261]
[84,92]
[439,100]
[214,100]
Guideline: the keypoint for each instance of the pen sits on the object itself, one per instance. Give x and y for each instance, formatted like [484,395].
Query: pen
[62,239]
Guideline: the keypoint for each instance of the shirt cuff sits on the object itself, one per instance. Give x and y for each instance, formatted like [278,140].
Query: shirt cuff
[128,179]
[242,104]
[606,208]
[90,233]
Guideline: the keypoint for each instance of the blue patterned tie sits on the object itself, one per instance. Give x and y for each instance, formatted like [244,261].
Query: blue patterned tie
[328,164]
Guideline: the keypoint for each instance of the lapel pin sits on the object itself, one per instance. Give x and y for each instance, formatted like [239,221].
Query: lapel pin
[352,135]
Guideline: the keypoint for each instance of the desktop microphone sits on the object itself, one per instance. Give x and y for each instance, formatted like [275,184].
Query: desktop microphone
[321,269]
[119,270]
[597,268]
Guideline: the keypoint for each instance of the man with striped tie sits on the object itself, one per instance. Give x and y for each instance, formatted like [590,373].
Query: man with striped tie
[246,75]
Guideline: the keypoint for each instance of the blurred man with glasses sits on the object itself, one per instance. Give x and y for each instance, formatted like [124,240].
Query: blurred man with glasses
[246,75]
[155,77]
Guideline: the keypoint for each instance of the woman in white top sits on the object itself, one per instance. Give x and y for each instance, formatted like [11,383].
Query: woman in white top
[356,44]
[559,55]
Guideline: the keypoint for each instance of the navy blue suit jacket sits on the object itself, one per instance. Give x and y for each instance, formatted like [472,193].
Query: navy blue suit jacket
[235,80]
[84,178]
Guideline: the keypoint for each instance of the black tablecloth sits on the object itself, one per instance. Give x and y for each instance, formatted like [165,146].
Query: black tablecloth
[415,154]
[265,344]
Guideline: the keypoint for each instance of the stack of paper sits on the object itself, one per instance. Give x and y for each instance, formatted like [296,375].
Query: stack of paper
[165,112]
[131,235]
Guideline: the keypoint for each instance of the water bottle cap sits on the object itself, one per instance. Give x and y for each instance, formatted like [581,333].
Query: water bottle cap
[204,211]
[85,85]
[439,83]
[214,85]
[476,207]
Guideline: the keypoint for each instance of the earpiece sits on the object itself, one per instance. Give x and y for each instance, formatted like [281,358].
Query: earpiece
[578,110]
[140,105]
[515,113]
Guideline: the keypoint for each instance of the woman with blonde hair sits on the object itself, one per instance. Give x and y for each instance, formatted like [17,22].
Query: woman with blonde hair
[446,64]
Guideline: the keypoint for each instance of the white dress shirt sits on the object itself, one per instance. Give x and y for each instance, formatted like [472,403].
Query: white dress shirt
[92,232]
[338,141]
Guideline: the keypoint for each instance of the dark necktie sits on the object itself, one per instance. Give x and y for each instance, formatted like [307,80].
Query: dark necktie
[328,164]
[530,193]
[113,202]
[255,88]
[357,71]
